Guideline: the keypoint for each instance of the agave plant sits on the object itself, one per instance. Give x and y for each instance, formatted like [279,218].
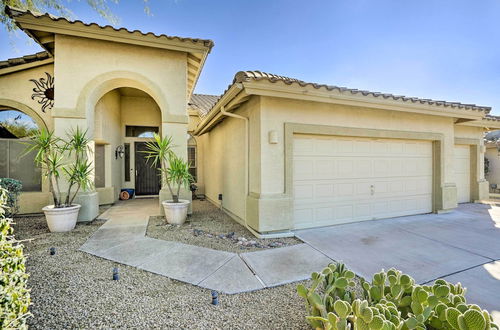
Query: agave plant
[58,158]
[174,170]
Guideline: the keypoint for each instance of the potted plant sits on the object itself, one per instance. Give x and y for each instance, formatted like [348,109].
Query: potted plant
[175,173]
[58,159]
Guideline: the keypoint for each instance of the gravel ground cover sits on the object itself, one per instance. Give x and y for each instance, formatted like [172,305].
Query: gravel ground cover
[209,227]
[73,289]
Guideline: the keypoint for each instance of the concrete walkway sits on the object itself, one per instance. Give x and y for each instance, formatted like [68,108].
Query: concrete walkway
[460,246]
[122,239]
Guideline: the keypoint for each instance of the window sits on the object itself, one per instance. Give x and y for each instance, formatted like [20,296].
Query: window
[127,162]
[14,164]
[192,161]
[140,131]
[99,180]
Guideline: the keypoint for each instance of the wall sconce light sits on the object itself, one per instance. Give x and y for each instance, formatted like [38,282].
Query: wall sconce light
[119,152]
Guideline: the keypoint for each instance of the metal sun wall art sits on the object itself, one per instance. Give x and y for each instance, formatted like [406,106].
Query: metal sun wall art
[44,91]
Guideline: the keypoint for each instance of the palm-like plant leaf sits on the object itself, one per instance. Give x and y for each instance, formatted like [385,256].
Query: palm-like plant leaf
[77,142]
[159,150]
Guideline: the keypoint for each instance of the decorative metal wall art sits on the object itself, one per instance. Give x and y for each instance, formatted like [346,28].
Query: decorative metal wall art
[44,91]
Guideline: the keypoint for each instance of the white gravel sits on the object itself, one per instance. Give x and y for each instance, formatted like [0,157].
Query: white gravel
[73,289]
[209,227]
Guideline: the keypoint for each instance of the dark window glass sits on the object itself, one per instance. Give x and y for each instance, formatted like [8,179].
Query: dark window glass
[15,164]
[192,161]
[140,131]
[100,180]
[127,162]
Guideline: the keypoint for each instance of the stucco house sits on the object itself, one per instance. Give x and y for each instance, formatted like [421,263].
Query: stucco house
[276,153]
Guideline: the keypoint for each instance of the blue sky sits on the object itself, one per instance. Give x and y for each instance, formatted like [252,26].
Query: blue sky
[440,49]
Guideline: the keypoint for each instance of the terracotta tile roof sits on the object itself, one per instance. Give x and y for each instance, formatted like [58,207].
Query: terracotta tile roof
[492,118]
[203,103]
[15,12]
[243,76]
[24,59]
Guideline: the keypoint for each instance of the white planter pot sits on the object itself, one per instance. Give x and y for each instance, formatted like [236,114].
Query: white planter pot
[176,213]
[61,219]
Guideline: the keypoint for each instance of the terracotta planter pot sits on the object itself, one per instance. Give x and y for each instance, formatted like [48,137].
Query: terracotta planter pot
[61,219]
[176,213]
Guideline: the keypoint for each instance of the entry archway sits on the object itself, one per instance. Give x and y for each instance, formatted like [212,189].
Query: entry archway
[124,119]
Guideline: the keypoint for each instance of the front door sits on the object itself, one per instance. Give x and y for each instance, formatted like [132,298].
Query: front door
[147,178]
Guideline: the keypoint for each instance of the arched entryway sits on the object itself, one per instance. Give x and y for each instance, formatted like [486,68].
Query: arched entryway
[124,119]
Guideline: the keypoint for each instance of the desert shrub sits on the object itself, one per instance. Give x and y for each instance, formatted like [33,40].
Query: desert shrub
[13,188]
[391,301]
[14,293]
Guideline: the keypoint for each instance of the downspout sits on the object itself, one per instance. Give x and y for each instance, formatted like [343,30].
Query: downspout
[247,157]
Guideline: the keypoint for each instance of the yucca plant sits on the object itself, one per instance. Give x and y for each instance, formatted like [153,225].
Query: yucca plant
[57,158]
[174,170]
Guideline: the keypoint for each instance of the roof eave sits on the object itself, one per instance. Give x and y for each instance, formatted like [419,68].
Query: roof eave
[487,124]
[209,121]
[309,93]
[44,24]
[21,67]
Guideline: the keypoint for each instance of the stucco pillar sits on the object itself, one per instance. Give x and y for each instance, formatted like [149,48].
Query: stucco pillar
[89,199]
[178,132]
[479,185]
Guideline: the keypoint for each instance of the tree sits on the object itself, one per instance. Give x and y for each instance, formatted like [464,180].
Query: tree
[59,8]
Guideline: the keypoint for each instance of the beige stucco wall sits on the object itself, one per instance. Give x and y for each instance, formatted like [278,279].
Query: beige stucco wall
[16,87]
[222,159]
[107,131]
[84,65]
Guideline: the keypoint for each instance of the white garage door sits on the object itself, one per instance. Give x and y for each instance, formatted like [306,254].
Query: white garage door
[461,167]
[338,179]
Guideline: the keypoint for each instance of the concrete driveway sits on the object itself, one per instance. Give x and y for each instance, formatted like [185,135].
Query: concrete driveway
[461,246]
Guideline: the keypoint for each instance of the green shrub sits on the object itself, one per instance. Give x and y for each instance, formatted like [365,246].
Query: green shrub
[13,188]
[391,301]
[14,293]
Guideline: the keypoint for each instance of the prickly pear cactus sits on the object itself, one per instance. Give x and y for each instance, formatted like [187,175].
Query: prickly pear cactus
[391,301]
[331,285]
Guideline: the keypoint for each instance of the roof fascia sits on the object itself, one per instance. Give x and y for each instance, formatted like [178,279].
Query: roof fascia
[199,69]
[25,66]
[266,88]
[135,38]
[484,123]
[214,115]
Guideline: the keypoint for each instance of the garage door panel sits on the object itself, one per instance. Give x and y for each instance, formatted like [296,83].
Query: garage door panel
[356,179]
[303,191]
[362,146]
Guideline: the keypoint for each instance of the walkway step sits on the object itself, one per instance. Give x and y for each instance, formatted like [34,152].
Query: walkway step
[137,252]
[285,265]
[187,263]
[233,277]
